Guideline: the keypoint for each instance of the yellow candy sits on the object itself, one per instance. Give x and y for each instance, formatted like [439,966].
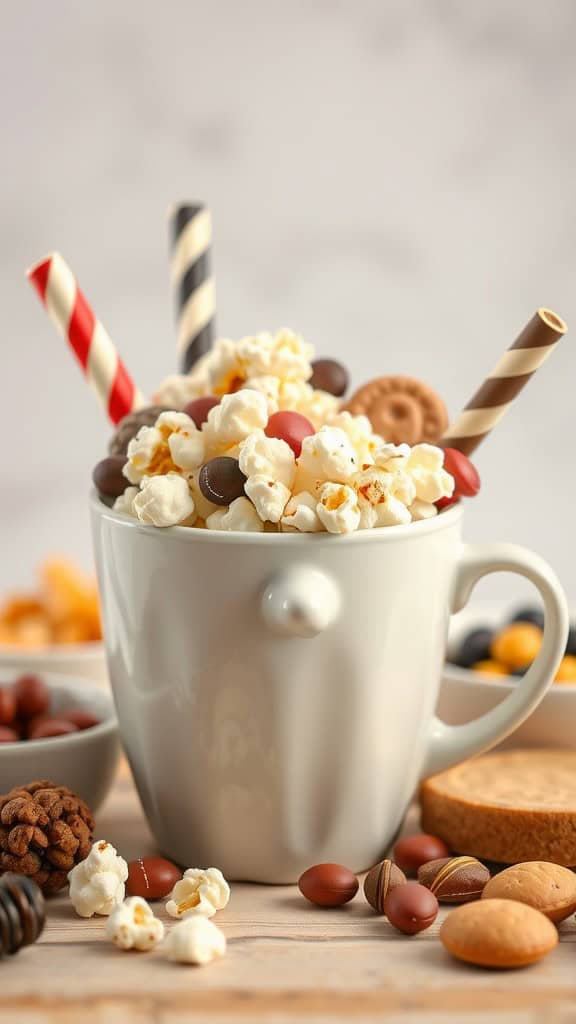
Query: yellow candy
[517,645]
[567,670]
[490,668]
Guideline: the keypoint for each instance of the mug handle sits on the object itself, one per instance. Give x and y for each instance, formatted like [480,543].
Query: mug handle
[450,744]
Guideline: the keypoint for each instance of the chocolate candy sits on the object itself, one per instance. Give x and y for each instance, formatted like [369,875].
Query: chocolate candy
[330,376]
[517,645]
[32,696]
[455,879]
[291,427]
[44,728]
[413,851]
[153,878]
[401,409]
[411,908]
[381,880]
[199,408]
[8,735]
[533,615]
[7,705]
[108,478]
[475,647]
[221,480]
[466,478]
[328,885]
[129,426]
[22,913]
[80,718]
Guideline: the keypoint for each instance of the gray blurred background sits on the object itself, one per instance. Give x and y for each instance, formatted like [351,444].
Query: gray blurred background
[394,180]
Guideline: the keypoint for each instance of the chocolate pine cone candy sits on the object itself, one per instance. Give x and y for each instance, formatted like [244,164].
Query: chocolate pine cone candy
[45,829]
[129,426]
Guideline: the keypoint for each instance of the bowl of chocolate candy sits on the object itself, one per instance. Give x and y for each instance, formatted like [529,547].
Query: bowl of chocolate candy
[54,626]
[489,652]
[53,728]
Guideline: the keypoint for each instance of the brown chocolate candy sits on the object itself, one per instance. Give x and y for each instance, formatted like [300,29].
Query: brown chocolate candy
[129,426]
[401,409]
[153,878]
[221,480]
[411,908]
[79,717]
[413,851]
[454,879]
[45,728]
[7,705]
[328,885]
[32,696]
[199,408]
[108,478]
[8,735]
[381,880]
[330,376]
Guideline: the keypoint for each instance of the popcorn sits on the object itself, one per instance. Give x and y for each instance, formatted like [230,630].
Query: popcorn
[176,391]
[318,406]
[195,941]
[338,508]
[97,883]
[164,500]
[300,514]
[268,496]
[425,465]
[240,515]
[359,431]
[173,444]
[326,456]
[235,418]
[422,510]
[269,457]
[200,891]
[125,502]
[132,925]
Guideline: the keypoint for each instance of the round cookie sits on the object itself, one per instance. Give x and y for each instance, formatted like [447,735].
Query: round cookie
[401,409]
[547,887]
[498,933]
[509,807]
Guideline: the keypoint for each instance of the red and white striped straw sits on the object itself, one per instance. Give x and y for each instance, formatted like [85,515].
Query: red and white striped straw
[67,307]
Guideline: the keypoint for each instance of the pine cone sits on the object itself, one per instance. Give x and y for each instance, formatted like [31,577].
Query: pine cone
[45,830]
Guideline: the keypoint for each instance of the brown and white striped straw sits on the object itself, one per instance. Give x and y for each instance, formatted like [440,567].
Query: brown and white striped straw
[192,280]
[510,375]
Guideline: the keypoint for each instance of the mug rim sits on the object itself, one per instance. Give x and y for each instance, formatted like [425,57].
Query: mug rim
[445,519]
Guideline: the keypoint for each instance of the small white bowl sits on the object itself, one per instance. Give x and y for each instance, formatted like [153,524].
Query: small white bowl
[79,661]
[85,761]
[465,695]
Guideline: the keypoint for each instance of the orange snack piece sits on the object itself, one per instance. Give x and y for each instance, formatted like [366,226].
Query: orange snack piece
[517,645]
[488,667]
[64,611]
[567,670]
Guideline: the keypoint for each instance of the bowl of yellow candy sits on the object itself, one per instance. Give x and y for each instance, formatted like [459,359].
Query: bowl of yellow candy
[488,653]
[54,626]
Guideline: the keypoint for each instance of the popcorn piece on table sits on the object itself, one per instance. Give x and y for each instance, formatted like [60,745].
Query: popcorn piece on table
[199,891]
[240,515]
[164,500]
[97,883]
[132,925]
[195,941]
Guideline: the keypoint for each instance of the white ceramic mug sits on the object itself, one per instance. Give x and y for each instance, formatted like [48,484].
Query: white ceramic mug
[276,692]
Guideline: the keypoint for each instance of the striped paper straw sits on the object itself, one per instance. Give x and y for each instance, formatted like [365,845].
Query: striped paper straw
[67,307]
[510,375]
[192,281]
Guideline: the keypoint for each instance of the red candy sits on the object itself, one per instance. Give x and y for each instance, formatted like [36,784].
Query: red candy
[46,727]
[411,852]
[7,706]
[291,427]
[466,478]
[32,696]
[153,878]
[199,408]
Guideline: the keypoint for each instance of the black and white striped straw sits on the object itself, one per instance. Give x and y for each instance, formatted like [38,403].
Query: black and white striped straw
[192,280]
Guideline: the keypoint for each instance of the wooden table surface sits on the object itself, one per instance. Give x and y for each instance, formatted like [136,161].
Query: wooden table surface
[286,961]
